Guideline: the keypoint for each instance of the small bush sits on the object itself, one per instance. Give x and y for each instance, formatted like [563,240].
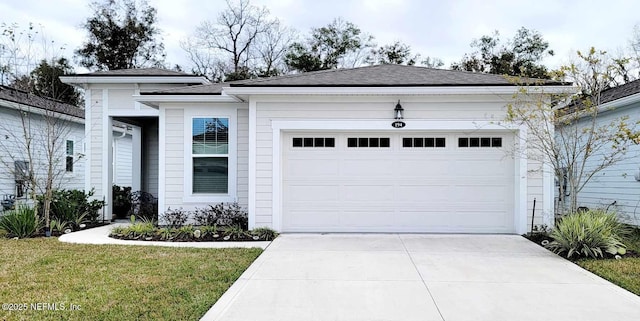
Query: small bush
[206,216]
[264,233]
[588,234]
[174,218]
[21,222]
[121,200]
[73,206]
[144,205]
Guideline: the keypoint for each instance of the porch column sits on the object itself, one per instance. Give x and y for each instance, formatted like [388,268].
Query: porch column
[136,157]
[107,164]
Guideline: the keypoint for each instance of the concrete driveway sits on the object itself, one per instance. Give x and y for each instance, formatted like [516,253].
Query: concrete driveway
[418,277]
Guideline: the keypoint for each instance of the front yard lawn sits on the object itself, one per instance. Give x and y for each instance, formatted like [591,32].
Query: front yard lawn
[109,282]
[624,272]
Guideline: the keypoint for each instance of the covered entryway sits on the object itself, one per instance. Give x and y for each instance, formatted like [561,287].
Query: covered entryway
[398,182]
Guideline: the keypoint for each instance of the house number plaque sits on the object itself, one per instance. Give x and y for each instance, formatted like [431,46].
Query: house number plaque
[398,124]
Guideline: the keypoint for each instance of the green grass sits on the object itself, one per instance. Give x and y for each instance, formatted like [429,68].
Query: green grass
[111,282]
[624,272]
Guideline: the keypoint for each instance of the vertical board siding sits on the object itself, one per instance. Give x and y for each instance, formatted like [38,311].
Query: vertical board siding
[150,168]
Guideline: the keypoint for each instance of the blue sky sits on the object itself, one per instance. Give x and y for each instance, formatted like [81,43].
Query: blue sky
[440,29]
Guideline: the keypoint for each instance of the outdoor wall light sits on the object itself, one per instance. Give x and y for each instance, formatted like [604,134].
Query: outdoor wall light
[398,111]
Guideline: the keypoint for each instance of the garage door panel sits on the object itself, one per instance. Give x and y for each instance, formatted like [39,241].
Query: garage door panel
[425,167]
[321,218]
[313,167]
[306,193]
[367,192]
[370,218]
[374,167]
[397,189]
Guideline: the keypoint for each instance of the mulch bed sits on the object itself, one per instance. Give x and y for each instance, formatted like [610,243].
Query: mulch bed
[539,237]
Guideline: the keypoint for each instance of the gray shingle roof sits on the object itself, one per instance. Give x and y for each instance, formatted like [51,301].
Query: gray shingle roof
[152,72]
[621,91]
[387,75]
[25,98]
[370,76]
[208,89]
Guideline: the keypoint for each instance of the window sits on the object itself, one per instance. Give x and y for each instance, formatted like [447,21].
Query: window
[314,142]
[480,142]
[69,159]
[383,142]
[417,142]
[210,155]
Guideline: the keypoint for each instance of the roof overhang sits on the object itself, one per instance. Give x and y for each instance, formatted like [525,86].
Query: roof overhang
[40,111]
[81,80]
[243,91]
[155,100]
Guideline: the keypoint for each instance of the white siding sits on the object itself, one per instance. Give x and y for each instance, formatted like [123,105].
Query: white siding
[616,183]
[13,148]
[122,159]
[370,108]
[175,149]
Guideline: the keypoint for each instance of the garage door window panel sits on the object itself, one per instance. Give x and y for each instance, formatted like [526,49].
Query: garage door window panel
[210,155]
[482,142]
[424,142]
[313,142]
[368,142]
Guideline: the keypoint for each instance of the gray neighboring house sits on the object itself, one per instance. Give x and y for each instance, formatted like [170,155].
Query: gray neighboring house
[618,186]
[385,148]
[70,165]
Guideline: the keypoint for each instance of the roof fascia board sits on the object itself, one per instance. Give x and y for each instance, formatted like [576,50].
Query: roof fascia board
[39,111]
[155,100]
[133,79]
[449,90]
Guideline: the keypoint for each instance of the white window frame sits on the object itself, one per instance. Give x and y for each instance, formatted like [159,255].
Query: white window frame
[73,157]
[211,112]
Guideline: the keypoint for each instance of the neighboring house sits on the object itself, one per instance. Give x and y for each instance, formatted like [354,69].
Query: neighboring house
[617,187]
[384,148]
[70,165]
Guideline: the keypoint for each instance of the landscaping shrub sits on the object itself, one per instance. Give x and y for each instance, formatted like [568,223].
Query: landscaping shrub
[73,206]
[174,218]
[222,214]
[21,222]
[144,205]
[206,216]
[121,200]
[264,233]
[588,234]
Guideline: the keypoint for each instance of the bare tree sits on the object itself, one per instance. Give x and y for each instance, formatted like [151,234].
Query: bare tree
[35,131]
[231,41]
[564,130]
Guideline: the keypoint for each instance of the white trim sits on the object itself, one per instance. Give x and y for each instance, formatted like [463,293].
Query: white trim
[381,91]
[411,124]
[619,102]
[136,158]
[253,116]
[161,160]
[107,155]
[88,126]
[136,92]
[133,112]
[521,182]
[548,186]
[217,112]
[155,100]
[520,194]
[77,80]
[276,187]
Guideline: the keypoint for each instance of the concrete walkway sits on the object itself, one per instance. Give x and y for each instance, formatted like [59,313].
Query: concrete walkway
[100,235]
[418,277]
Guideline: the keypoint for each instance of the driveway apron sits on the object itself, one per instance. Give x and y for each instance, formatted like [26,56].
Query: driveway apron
[408,277]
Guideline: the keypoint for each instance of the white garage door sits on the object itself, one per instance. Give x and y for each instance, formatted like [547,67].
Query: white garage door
[409,182]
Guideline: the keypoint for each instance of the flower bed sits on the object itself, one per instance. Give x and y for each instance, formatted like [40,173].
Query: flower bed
[148,232]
